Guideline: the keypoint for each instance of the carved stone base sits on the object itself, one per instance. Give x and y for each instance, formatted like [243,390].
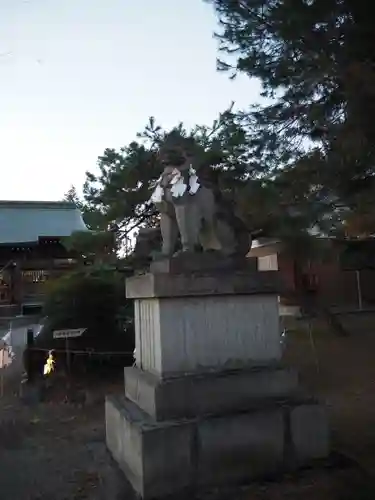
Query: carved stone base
[204,262]
[209,403]
[199,334]
[163,458]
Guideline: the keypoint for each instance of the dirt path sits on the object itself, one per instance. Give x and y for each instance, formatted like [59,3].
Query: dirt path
[58,451]
[55,451]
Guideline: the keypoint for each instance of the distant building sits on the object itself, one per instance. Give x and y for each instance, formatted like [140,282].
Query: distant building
[343,282]
[31,251]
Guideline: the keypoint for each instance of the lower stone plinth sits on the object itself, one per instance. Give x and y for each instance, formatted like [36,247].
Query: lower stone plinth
[156,458]
[163,458]
[213,393]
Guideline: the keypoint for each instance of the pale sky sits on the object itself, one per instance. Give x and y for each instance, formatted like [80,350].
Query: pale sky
[78,76]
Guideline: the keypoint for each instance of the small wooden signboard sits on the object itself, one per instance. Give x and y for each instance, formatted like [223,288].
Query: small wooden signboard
[68,334]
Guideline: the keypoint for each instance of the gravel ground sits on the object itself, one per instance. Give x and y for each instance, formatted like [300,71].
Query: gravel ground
[56,450]
[53,450]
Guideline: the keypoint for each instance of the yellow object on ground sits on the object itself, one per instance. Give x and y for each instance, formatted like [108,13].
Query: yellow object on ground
[49,366]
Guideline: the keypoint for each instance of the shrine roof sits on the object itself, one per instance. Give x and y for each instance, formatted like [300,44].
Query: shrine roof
[27,221]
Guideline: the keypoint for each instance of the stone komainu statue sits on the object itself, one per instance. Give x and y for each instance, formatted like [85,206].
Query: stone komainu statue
[191,213]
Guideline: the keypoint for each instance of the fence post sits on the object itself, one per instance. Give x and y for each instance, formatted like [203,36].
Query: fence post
[28,354]
[359,289]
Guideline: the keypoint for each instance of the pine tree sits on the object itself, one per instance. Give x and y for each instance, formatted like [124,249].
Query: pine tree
[122,188]
[316,63]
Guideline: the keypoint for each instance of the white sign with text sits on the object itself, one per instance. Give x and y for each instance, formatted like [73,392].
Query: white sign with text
[68,334]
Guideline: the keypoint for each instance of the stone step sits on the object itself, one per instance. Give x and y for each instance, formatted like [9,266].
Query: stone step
[209,393]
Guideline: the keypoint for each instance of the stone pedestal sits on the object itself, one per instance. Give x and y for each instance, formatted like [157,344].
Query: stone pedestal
[208,402]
